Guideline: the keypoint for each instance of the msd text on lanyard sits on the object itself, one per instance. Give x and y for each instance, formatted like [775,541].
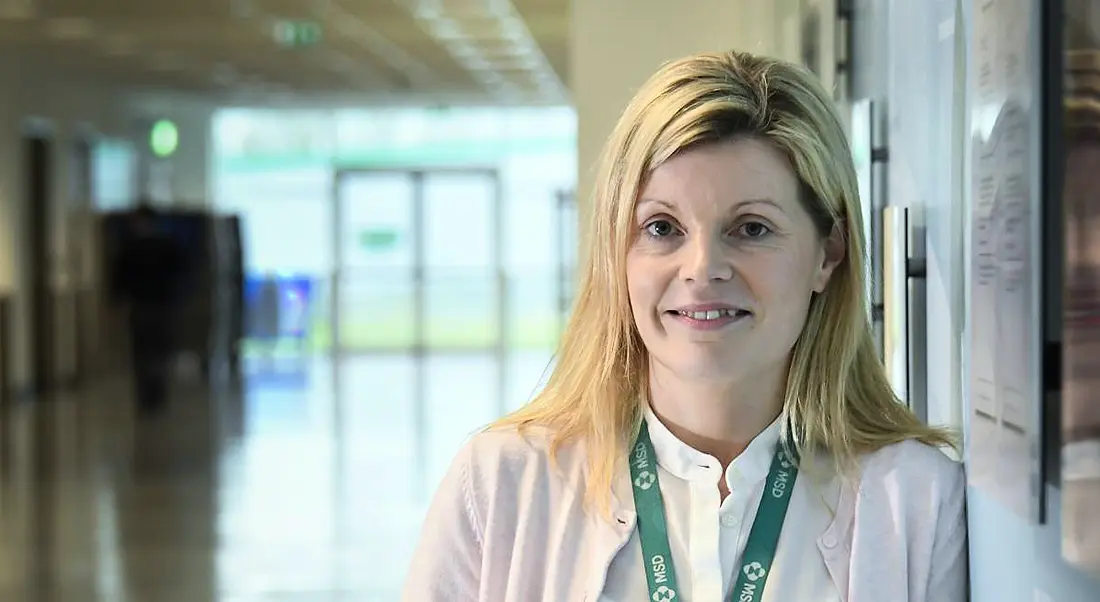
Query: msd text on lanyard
[653,528]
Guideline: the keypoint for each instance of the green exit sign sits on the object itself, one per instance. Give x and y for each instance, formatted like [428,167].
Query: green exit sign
[297,34]
[377,239]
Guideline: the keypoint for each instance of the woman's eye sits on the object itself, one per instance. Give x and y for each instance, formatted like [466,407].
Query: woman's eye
[660,228]
[755,230]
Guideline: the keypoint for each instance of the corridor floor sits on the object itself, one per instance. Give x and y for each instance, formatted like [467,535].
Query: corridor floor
[307,485]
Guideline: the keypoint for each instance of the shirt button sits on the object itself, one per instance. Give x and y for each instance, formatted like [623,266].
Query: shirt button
[729,521]
[829,541]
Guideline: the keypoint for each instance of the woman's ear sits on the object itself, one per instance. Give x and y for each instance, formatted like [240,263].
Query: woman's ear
[834,248]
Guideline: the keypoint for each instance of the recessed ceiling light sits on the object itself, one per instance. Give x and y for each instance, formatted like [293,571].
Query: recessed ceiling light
[476,63]
[447,30]
[427,12]
[463,48]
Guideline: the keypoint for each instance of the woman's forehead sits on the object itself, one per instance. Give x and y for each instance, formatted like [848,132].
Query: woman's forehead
[746,170]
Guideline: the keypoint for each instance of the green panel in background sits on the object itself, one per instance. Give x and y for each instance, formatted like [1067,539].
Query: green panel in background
[297,34]
[376,240]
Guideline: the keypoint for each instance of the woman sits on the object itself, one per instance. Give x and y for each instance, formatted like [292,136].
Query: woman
[718,425]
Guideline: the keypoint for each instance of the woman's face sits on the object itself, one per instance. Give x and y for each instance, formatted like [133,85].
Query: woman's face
[724,262]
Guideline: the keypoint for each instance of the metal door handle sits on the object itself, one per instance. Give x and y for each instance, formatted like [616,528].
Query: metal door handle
[905,308]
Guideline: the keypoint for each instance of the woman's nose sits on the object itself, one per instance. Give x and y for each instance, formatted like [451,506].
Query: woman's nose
[705,259]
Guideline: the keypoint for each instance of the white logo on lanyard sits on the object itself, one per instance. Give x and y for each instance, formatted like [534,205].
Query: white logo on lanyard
[754,571]
[645,481]
[663,594]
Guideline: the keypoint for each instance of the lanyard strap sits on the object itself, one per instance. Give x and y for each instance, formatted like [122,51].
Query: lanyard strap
[756,562]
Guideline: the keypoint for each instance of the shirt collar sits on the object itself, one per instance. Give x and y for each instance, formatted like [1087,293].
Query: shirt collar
[688,463]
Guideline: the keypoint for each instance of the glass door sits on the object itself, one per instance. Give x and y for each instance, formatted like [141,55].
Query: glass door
[380,411]
[376,306]
[462,307]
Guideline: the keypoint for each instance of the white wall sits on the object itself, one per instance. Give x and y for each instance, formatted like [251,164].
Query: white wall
[66,106]
[617,44]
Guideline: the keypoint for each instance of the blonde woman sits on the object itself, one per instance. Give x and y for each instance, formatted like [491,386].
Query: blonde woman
[718,425]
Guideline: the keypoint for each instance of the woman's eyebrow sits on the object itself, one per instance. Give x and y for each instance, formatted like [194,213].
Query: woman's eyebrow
[760,201]
[767,201]
[650,201]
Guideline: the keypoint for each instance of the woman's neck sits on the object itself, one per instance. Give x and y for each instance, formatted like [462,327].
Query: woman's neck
[719,419]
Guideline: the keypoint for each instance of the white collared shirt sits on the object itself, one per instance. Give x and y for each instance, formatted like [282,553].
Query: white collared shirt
[708,535]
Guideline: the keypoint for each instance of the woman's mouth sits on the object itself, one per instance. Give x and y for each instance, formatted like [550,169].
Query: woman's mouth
[709,318]
[714,314]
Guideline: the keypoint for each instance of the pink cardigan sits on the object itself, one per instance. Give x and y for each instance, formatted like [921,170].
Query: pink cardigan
[506,526]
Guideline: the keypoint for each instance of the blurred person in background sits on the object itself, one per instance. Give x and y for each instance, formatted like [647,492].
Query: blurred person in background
[148,273]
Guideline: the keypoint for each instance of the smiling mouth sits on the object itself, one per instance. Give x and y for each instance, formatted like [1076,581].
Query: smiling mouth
[713,314]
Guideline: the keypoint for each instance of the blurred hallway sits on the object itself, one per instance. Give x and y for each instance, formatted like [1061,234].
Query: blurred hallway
[308,485]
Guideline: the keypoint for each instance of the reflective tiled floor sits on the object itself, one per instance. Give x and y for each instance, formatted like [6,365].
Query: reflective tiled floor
[306,486]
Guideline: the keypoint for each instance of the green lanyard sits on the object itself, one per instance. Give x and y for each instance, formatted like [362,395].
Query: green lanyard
[653,529]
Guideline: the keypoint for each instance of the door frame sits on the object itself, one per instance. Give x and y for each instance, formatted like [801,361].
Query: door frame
[37,223]
[566,252]
[82,195]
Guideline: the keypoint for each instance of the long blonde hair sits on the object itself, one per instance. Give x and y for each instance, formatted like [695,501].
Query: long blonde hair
[838,399]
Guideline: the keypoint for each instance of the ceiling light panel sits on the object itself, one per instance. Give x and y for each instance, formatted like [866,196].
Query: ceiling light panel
[385,49]
[487,37]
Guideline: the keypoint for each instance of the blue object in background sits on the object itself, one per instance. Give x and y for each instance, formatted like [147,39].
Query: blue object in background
[277,306]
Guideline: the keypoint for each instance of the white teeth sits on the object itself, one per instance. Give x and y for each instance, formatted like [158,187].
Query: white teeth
[712,314]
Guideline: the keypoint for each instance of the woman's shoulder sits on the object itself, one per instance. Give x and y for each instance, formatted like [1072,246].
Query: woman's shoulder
[512,444]
[909,515]
[501,492]
[914,475]
[911,462]
[497,456]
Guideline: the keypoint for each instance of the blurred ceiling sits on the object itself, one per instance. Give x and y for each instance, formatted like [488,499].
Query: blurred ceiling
[267,51]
